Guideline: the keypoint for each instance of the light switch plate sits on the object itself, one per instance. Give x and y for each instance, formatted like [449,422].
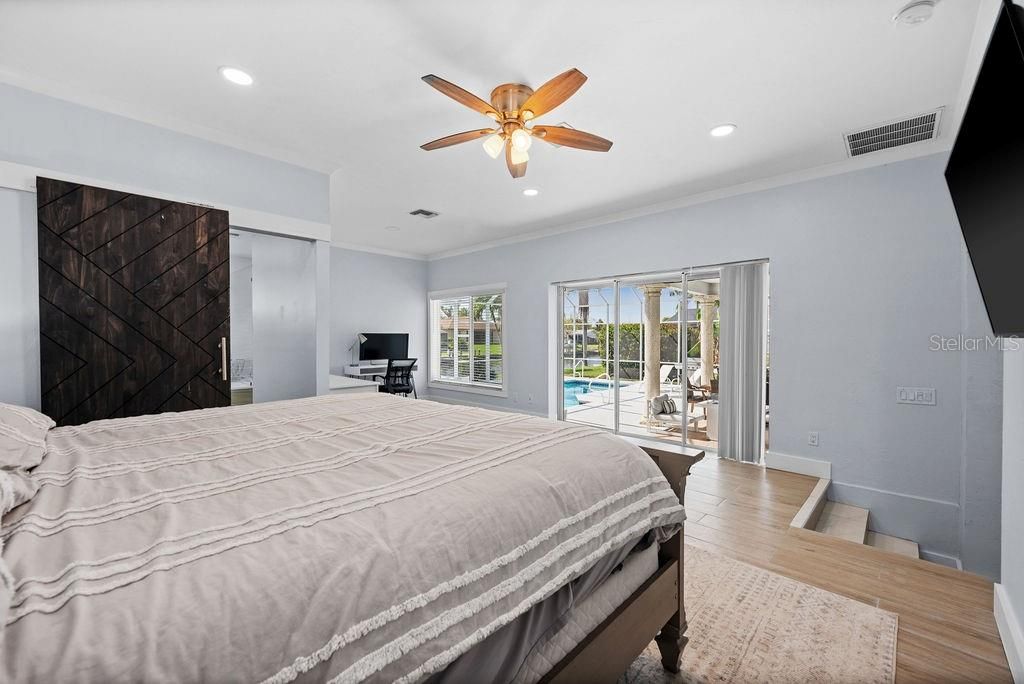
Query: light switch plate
[921,396]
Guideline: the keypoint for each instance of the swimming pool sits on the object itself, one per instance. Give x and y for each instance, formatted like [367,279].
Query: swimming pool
[573,387]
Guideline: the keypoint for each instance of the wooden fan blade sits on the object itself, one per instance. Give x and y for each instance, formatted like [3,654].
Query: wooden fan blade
[554,92]
[570,137]
[517,170]
[457,138]
[463,96]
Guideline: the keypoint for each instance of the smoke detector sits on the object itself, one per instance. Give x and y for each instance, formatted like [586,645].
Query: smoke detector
[914,13]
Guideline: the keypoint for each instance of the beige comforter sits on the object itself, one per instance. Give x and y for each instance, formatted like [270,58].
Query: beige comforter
[335,538]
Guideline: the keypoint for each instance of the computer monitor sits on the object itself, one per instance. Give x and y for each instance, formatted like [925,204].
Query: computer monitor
[380,346]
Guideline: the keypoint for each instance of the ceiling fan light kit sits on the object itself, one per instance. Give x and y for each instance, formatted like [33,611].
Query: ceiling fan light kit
[493,145]
[511,106]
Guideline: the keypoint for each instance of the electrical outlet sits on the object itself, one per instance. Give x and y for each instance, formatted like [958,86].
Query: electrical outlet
[921,396]
[529,398]
[812,438]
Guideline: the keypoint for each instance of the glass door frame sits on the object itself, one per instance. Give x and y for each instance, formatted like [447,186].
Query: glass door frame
[560,293]
[679,276]
[617,283]
[686,276]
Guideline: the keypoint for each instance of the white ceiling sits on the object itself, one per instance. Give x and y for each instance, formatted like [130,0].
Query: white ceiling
[338,89]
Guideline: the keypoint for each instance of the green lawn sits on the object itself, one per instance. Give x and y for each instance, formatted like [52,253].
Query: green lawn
[480,350]
[588,372]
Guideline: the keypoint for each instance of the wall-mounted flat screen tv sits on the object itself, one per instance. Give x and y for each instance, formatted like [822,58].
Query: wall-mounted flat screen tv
[380,346]
[985,175]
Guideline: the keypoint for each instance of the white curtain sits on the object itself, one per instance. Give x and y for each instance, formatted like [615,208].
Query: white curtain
[743,315]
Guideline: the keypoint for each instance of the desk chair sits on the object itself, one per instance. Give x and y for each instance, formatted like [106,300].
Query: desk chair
[398,379]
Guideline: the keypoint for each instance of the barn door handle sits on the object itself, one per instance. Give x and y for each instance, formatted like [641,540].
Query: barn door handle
[223,358]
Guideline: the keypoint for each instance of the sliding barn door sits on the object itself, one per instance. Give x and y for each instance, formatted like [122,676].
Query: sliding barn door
[133,304]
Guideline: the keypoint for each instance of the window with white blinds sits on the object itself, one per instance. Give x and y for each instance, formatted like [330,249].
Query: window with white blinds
[466,339]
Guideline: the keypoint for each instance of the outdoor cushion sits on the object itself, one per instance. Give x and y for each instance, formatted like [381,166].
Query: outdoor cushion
[658,404]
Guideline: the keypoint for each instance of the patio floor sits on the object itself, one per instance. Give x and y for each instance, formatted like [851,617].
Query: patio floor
[597,409]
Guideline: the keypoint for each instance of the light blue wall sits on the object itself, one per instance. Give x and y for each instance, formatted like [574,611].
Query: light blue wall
[37,130]
[376,293]
[865,268]
[19,299]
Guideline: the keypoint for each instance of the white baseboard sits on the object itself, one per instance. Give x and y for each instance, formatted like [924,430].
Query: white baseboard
[798,464]
[480,404]
[1011,632]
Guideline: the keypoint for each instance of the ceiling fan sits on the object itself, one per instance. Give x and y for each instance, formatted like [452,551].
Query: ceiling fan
[513,107]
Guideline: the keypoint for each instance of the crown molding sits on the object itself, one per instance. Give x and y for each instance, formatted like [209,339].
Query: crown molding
[882,158]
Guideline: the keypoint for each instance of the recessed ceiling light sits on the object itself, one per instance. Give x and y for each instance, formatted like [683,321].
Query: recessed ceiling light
[723,130]
[531,192]
[914,13]
[236,75]
[393,229]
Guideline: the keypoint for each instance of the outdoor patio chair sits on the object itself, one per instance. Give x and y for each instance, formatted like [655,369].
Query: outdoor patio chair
[658,418]
[669,386]
[696,392]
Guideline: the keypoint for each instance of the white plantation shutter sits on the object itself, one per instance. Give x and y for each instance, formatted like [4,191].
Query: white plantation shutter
[467,339]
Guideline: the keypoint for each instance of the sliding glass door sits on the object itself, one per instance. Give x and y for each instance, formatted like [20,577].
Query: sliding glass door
[624,355]
[652,397]
[647,356]
[588,354]
[703,300]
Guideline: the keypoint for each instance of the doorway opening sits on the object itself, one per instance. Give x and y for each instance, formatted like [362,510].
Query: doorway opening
[642,355]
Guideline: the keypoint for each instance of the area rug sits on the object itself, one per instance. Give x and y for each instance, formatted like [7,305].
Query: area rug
[750,625]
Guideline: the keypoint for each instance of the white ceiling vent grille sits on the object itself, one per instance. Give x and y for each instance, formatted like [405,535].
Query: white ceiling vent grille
[894,134]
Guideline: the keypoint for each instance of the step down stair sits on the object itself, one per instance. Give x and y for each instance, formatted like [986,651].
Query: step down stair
[846,522]
[843,521]
[904,547]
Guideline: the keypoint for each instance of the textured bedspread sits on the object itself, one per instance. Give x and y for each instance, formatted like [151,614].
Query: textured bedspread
[335,538]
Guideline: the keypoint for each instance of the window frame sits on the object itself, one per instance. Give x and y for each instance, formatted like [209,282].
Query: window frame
[434,381]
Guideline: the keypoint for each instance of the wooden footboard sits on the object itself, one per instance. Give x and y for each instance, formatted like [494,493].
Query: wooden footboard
[654,611]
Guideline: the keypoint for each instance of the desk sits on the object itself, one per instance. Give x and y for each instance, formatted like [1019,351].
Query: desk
[357,371]
[341,384]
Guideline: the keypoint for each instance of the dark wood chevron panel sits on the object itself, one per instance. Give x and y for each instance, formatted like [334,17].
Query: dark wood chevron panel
[133,303]
[122,250]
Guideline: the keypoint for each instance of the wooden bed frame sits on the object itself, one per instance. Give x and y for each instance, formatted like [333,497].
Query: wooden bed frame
[653,612]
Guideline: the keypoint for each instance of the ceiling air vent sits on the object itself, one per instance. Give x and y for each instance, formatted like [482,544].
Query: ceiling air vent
[894,134]
[425,213]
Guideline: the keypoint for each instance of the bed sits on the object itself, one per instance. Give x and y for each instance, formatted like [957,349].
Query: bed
[337,538]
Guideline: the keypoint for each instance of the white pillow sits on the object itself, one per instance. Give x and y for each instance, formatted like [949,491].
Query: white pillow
[22,436]
[658,404]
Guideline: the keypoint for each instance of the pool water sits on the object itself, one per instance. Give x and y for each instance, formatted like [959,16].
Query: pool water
[574,387]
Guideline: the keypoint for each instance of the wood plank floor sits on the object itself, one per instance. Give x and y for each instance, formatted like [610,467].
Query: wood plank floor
[947,632]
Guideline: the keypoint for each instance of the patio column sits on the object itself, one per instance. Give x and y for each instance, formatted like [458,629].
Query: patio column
[707,336]
[652,341]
